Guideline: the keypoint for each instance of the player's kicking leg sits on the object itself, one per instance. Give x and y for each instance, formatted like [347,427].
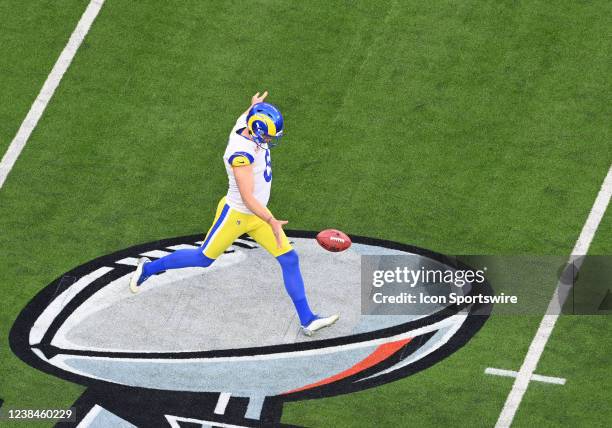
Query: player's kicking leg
[222,233]
[292,276]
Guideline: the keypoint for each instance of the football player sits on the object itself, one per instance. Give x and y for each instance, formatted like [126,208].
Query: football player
[243,210]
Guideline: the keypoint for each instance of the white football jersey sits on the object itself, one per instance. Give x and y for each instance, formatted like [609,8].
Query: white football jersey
[242,151]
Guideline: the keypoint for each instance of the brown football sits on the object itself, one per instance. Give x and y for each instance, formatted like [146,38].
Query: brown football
[333,240]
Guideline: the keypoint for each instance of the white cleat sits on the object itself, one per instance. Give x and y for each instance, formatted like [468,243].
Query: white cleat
[318,324]
[134,285]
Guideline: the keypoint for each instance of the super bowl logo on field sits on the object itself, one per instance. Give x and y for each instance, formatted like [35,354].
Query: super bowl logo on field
[222,346]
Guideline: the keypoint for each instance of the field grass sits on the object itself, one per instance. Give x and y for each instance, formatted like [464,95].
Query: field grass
[33,35]
[579,350]
[462,127]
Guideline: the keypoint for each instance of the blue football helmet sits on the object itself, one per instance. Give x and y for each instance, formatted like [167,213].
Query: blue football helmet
[265,124]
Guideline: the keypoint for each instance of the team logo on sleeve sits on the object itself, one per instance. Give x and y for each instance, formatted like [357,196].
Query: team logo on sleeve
[240,159]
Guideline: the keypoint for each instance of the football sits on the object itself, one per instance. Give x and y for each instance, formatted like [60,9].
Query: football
[333,240]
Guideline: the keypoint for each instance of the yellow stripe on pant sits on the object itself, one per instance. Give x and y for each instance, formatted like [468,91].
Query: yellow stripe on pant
[229,224]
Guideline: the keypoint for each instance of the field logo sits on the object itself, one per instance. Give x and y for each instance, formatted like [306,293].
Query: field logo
[221,346]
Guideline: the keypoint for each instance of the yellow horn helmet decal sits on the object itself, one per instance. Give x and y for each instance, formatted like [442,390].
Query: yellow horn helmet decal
[264,119]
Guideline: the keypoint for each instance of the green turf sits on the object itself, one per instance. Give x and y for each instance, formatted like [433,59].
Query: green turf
[33,35]
[602,243]
[470,127]
[579,350]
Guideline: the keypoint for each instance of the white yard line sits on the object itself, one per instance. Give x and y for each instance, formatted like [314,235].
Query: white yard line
[554,307]
[512,373]
[549,379]
[48,89]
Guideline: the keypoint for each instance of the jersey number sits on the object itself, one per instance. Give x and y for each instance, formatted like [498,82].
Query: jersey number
[268,169]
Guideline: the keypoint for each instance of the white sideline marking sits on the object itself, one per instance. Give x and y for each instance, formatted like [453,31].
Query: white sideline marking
[254,407]
[156,254]
[224,398]
[182,247]
[174,422]
[128,261]
[89,418]
[560,295]
[512,373]
[48,89]
[58,303]
[548,379]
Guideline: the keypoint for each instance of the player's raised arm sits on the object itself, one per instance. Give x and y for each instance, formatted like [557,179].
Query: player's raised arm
[244,180]
[256,99]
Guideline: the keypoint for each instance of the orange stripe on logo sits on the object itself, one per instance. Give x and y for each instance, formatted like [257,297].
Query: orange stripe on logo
[381,353]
